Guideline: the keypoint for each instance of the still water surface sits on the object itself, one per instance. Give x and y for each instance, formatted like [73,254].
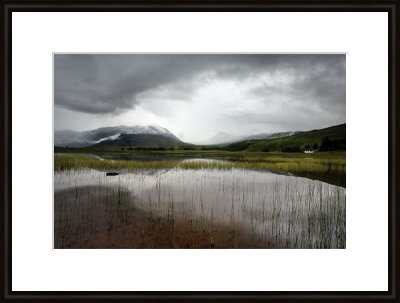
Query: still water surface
[288,211]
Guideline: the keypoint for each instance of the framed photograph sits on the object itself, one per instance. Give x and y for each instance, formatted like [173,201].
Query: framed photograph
[199,151]
[236,176]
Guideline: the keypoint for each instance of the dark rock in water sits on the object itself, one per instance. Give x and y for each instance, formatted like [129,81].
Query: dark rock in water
[112,174]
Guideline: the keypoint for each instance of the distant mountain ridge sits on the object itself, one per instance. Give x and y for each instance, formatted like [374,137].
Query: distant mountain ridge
[148,140]
[222,138]
[268,136]
[330,138]
[296,142]
[110,135]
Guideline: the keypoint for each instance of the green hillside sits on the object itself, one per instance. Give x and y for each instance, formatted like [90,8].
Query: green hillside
[326,139]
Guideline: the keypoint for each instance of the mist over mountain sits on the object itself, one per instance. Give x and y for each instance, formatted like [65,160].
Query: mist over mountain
[225,138]
[159,137]
[219,138]
[117,135]
[264,136]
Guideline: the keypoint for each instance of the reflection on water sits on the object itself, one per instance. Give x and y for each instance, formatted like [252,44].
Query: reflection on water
[155,157]
[204,160]
[138,157]
[283,211]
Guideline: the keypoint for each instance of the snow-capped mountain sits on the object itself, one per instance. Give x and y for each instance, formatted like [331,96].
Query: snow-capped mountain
[105,135]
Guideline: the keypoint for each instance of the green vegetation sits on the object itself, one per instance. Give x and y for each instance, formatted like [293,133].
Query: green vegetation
[328,166]
[283,154]
[327,139]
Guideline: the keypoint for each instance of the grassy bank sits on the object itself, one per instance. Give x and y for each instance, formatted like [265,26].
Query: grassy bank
[329,167]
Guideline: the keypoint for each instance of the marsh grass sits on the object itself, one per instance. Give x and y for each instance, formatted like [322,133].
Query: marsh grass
[328,170]
[206,208]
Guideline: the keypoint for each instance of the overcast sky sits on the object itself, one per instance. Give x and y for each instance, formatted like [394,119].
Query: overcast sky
[196,96]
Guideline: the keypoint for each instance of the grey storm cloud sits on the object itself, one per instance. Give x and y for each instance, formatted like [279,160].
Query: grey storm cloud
[198,95]
[109,83]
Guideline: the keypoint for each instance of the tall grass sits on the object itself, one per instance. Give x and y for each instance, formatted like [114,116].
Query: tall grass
[332,170]
[197,209]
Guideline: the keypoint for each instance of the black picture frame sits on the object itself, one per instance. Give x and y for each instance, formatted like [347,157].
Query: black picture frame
[10,6]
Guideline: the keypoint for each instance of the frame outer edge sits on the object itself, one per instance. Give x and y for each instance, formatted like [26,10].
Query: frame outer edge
[6,156]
